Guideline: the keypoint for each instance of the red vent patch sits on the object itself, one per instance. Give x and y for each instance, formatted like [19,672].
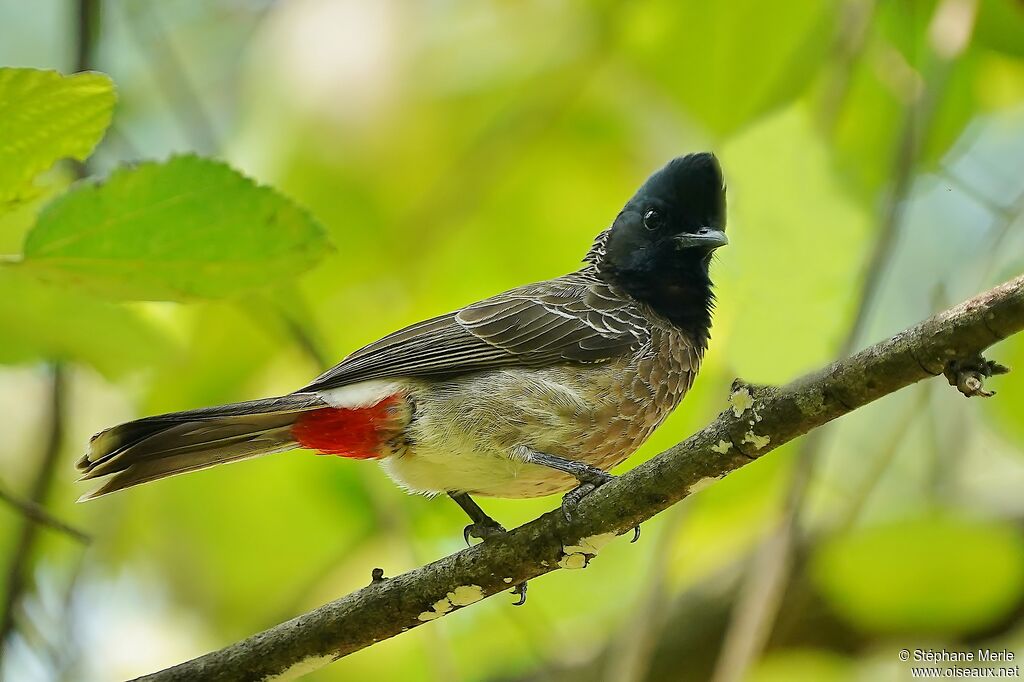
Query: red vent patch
[357,433]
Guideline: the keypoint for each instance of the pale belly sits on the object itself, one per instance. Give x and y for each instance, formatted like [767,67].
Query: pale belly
[464,432]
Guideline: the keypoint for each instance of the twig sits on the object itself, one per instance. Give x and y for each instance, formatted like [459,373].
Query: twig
[778,415]
[87,25]
[18,567]
[305,338]
[36,513]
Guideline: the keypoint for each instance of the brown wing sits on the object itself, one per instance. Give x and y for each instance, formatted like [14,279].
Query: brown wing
[575,318]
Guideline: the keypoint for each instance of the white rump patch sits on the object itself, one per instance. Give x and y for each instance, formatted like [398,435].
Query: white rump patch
[363,394]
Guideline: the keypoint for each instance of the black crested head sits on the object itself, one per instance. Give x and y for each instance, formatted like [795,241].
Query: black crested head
[659,248]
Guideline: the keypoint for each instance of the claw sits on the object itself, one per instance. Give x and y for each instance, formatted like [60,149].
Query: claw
[482,530]
[636,534]
[520,590]
[572,498]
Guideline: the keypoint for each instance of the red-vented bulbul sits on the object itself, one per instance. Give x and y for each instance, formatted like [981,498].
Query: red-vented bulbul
[537,390]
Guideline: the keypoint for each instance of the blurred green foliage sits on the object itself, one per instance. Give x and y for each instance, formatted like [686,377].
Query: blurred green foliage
[43,322]
[933,576]
[451,150]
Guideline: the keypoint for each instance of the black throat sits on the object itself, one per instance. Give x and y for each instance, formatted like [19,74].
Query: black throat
[681,293]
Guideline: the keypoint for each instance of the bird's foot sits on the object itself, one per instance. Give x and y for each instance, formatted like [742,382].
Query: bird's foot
[572,498]
[590,480]
[968,375]
[483,526]
[488,528]
[482,529]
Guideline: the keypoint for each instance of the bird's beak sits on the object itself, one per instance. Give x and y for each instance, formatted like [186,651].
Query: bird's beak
[705,238]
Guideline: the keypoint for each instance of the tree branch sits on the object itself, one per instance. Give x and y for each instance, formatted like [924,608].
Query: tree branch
[771,417]
[37,513]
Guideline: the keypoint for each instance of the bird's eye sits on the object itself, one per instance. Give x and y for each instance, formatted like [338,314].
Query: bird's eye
[652,219]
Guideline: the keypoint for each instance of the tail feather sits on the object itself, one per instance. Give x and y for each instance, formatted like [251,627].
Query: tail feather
[166,445]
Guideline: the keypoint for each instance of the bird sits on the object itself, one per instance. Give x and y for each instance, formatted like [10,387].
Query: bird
[538,390]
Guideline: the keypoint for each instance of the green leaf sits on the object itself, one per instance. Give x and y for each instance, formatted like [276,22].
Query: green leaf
[43,322]
[933,576]
[184,229]
[45,117]
[717,61]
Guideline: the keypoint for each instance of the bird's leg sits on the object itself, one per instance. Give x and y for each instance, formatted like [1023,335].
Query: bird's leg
[590,478]
[483,527]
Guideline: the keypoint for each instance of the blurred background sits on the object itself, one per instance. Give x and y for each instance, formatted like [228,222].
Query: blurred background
[874,154]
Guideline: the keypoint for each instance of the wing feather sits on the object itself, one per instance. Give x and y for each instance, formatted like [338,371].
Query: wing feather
[573,319]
